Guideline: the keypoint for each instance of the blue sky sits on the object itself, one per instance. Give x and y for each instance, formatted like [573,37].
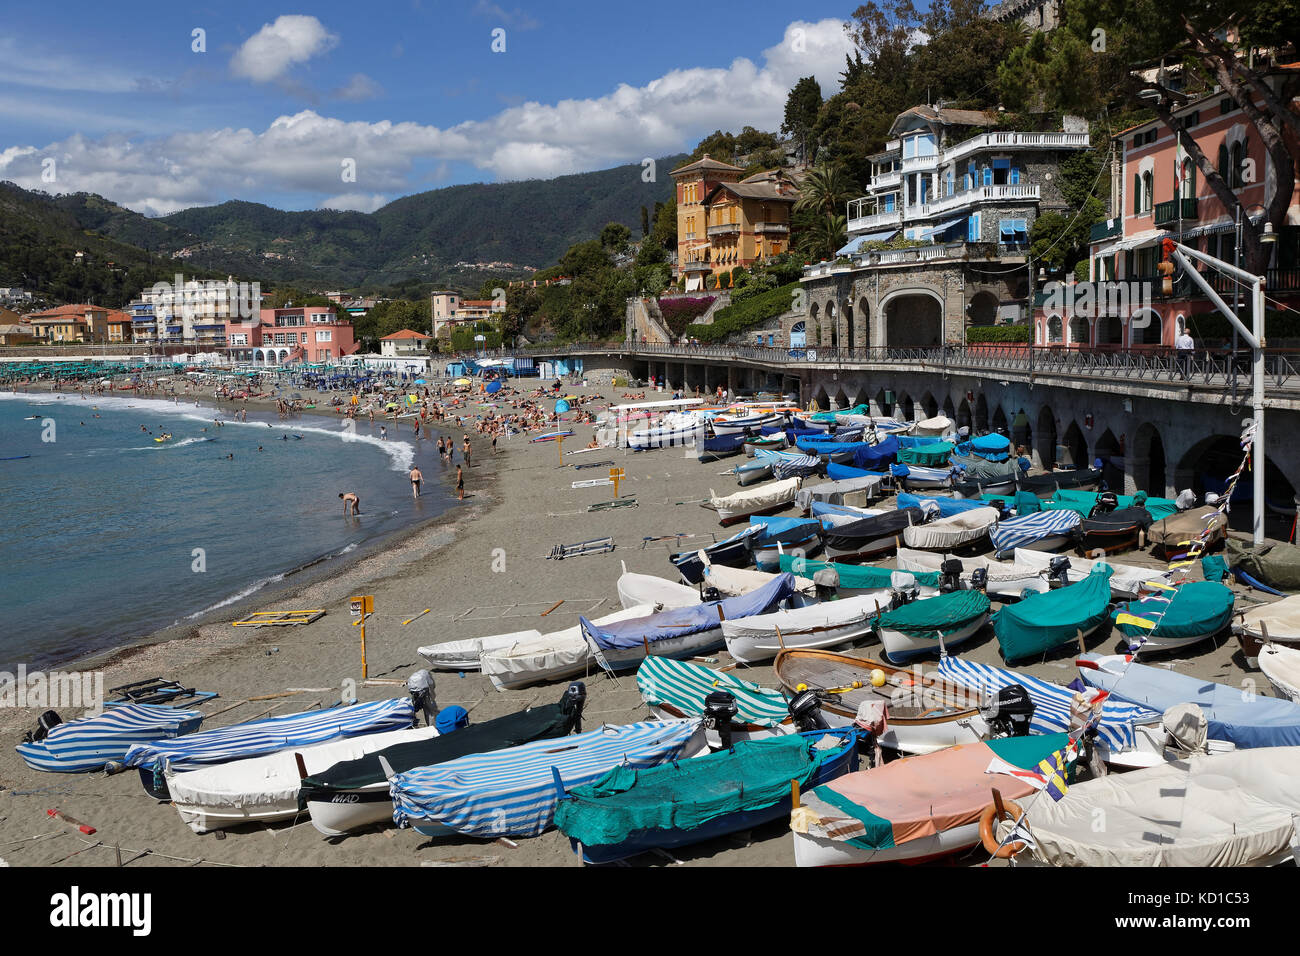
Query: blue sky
[113,98]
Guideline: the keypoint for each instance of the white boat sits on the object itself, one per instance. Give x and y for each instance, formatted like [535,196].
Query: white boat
[634,589]
[732,582]
[265,789]
[674,430]
[1126,581]
[1231,809]
[549,657]
[963,529]
[1005,581]
[765,499]
[465,655]
[1278,622]
[938,427]
[735,425]
[827,624]
[921,626]
[1281,665]
[850,492]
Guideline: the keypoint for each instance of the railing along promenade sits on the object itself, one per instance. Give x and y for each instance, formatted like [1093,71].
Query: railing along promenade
[1207,368]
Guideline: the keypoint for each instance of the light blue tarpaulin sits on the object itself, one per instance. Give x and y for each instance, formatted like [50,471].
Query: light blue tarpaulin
[1246,720]
[683,621]
[1021,532]
[947,505]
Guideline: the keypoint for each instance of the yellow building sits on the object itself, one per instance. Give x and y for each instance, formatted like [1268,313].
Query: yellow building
[725,221]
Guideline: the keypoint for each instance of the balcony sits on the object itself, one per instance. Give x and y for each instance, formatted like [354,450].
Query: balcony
[771,228]
[724,229]
[861,218]
[890,180]
[968,197]
[1175,210]
[696,266]
[920,164]
[1013,140]
[1106,230]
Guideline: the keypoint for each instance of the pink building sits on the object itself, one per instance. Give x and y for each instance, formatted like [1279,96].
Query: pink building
[1158,192]
[306,334]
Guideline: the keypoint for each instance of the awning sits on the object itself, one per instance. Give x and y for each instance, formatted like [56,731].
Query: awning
[853,245]
[944,226]
[1011,227]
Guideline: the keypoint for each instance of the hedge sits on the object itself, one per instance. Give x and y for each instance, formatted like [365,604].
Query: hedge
[743,315]
[976,334]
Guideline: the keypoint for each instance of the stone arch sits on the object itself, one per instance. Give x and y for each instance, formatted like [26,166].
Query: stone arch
[1150,466]
[981,413]
[864,323]
[1206,466]
[1110,330]
[886,408]
[815,324]
[983,309]
[1022,431]
[799,335]
[831,319]
[822,399]
[863,397]
[1148,332]
[964,415]
[929,405]
[1045,435]
[849,338]
[1112,460]
[913,318]
[906,407]
[841,399]
[1080,331]
[1055,333]
[999,422]
[949,409]
[1076,446]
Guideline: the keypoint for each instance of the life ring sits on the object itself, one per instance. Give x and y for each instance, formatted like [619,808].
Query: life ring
[988,824]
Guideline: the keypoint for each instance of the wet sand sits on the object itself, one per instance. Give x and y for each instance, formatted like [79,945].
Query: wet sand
[482,568]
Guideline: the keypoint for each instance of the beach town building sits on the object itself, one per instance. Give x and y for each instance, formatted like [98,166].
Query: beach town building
[965,192]
[294,334]
[726,220]
[1158,192]
[449,309]
[405,344]
[80,323]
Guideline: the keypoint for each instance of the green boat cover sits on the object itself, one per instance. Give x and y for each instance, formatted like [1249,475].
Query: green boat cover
[687,794]
[1049,619]
[830,415]
[1213,567]
[1195,608]
[1084,501]
[1277,565]
[683,686]
[858,576]
[932,455]
[1027,503]
[943,612]
[984,471]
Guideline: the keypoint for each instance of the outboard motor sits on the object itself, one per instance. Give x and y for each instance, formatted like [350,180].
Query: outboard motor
[1010,712]
[806,709]
[979,579]
[420,684]
[720,709]
[827,581]
[1058,572]
[950,576]
[573,702]
[1106,503]
[44,724]
[710,593]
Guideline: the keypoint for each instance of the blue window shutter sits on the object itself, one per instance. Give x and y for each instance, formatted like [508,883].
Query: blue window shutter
[988,176]
[1015,175]
[1001,164]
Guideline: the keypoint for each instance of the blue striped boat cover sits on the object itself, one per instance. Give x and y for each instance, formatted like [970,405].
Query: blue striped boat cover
[256,737]
[1051,702]
[512,792]
[920,472]
[1012,533]
[947,505]
[88,744]
[684,685]
[797,466]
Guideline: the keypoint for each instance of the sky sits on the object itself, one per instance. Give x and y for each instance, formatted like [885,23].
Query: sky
[349,105]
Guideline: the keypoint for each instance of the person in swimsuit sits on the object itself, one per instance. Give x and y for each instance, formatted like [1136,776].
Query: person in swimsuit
[460,483]
[350,501]
[416,478]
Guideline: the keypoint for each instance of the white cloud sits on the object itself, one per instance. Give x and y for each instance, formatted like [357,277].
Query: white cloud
[272,50]
[515,18]
[304,152]
[358,87]
[354,202]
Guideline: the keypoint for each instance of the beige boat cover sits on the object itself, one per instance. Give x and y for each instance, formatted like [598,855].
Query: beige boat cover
[466,655]
[953,531]
[1282,618]
[733,582]
[1187,525]
[751,500]
[1231,809]
[1125,579]
[939,425]
[634,589]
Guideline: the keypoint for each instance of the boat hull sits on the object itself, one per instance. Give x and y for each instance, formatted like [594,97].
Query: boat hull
[900,647]
[814,851]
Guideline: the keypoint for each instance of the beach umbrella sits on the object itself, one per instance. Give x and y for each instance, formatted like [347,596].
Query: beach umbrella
[420,381]
[561,407]
[493,387]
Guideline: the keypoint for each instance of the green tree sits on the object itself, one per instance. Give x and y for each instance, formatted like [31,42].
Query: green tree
[615,238]
[801,109]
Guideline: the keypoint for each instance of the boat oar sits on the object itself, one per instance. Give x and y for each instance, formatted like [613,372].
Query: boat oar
[417,617]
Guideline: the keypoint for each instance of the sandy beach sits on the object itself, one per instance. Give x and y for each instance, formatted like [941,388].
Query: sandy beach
[482,569]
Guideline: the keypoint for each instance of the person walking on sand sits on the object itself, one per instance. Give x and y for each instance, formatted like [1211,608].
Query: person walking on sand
[442,456]
[416,478]
[350,501]
[466,452]
[460,483]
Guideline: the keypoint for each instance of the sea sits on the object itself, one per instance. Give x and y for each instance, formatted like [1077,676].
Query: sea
[107,535]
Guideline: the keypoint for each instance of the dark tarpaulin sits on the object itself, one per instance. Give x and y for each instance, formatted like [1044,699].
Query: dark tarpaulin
[847,537]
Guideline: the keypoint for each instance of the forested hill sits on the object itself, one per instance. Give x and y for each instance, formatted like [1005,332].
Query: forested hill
[421,237]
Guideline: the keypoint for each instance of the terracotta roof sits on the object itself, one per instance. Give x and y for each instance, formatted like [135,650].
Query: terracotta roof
[66,312]
[754,191]
[706,163]
[405,334]
[948,116]
[477,303]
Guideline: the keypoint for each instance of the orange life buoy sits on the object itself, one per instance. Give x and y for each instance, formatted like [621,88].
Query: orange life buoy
[988,824]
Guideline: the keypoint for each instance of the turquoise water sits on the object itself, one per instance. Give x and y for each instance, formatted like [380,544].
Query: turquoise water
[108,535]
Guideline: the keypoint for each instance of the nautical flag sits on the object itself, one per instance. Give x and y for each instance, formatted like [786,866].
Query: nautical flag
[1049,775]
[1180,158]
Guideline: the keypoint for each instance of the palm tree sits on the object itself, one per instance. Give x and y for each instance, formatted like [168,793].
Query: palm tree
[826,189]
[826,234]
